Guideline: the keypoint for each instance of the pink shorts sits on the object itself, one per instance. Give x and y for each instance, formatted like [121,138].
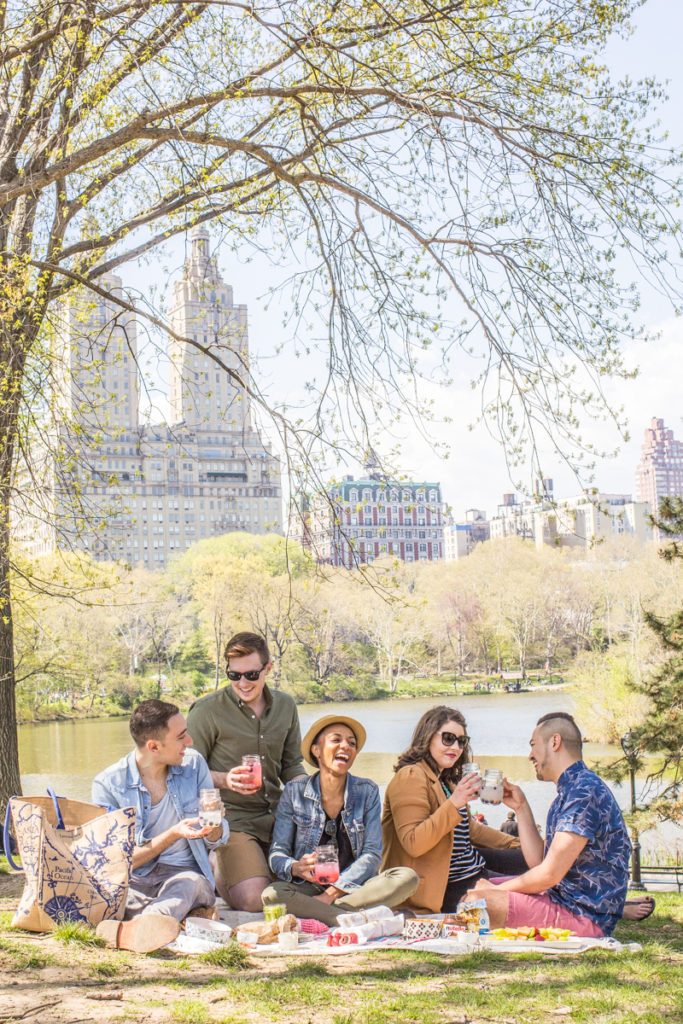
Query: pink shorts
[539,911]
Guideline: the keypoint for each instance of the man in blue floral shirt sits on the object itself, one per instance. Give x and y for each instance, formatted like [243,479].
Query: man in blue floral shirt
[578,879]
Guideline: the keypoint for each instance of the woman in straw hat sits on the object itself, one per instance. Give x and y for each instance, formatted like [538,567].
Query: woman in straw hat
[332,808]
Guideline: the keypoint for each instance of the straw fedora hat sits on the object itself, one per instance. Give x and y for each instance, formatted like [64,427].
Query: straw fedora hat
[322,723]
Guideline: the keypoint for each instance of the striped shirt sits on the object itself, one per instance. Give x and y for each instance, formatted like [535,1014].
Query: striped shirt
[465,860]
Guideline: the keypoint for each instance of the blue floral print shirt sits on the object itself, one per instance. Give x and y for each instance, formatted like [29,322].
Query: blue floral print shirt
[596,883]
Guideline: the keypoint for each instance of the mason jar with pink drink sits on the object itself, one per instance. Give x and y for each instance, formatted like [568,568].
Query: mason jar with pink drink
[253,763]
[326,866]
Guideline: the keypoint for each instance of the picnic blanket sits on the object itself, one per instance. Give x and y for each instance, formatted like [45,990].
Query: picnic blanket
[447,947]
[316,945]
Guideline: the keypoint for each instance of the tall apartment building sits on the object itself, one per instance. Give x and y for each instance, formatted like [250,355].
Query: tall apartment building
[659,473]
[520,518]
[359,520]
[579,521]
[126,490]
[461,538]
[591,517]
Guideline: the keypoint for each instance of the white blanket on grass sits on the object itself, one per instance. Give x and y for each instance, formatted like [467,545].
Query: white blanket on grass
[313,945]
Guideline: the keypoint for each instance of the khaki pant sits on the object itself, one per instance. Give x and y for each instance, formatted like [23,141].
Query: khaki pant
[242,857]
[168,889]
[388,889]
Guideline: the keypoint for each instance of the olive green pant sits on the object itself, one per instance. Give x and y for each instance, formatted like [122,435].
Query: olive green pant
[388,889]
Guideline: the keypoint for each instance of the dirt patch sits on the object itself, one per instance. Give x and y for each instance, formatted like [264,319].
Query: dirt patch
[11,888]
[48,982]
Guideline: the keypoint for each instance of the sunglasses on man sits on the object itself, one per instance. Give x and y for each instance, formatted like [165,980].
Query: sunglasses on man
[449,738]
[252,676]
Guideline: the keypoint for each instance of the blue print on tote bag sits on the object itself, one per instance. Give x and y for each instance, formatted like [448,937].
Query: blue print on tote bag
[76,872]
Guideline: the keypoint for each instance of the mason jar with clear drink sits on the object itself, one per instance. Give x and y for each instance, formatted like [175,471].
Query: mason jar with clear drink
[210,808]
[492,787]
[472,768]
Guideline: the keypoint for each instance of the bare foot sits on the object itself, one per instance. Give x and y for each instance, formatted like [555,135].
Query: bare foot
[638,909]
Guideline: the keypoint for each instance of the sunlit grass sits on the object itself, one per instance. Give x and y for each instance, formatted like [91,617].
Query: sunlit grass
[229,986]
[190,1011]
[230,957]
[105,969]
[78,932]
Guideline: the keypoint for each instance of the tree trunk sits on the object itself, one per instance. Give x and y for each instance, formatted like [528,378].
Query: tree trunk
[276,674]
[10,783]
[485,653]
[218,637]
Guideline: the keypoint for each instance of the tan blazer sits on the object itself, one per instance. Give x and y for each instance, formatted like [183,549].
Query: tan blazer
[417,832]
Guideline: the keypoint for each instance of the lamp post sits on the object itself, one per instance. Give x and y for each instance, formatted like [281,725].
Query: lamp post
[631,754]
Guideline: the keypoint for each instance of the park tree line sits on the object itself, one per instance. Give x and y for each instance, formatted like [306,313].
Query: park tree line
[431,181]
[101,636]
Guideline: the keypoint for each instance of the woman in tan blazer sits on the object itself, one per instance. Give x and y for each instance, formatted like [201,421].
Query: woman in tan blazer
[426,822]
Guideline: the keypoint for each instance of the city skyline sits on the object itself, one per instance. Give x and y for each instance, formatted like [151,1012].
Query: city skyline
[475,473]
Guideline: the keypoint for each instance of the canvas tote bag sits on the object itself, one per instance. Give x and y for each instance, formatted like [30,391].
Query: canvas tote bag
[76,858]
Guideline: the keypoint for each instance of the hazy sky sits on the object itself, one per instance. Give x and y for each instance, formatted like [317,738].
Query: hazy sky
[475,474]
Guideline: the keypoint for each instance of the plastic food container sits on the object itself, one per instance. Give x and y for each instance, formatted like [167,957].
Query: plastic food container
[272,911]
[208,931]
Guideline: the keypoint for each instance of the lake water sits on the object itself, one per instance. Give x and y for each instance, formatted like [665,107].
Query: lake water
[68,754]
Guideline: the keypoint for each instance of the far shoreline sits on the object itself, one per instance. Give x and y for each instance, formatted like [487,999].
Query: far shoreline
[377,696]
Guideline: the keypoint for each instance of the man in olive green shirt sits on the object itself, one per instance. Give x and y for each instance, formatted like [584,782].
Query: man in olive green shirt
[247,718]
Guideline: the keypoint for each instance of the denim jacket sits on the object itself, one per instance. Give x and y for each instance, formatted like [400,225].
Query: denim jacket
[300,821]
[120,785]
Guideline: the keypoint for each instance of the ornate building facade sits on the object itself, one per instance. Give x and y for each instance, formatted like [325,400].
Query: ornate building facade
[137,492]
[360,520]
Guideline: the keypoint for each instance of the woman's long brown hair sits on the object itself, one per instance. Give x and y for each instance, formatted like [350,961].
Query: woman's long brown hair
[418,750]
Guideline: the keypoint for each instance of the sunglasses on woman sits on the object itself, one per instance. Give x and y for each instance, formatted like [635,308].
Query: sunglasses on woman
[449,738]
[251,676]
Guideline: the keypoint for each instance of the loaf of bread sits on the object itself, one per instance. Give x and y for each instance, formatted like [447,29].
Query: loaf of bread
[266,932]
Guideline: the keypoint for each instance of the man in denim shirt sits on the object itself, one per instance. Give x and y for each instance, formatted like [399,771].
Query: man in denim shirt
[578,879]
[161,779]
[337,809]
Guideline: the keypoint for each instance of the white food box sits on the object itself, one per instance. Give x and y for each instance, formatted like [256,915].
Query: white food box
[209,931]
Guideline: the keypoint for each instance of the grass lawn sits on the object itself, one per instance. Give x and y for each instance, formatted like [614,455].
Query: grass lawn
[47,979]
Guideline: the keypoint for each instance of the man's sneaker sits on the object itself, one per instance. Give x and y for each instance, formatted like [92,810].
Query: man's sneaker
[142,934]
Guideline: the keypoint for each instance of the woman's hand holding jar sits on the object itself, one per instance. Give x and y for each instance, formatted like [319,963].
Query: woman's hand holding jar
[305,868]
[467,789]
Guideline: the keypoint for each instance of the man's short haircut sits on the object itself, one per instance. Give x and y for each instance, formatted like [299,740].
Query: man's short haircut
[150,720]
[241,644]
[562,723]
